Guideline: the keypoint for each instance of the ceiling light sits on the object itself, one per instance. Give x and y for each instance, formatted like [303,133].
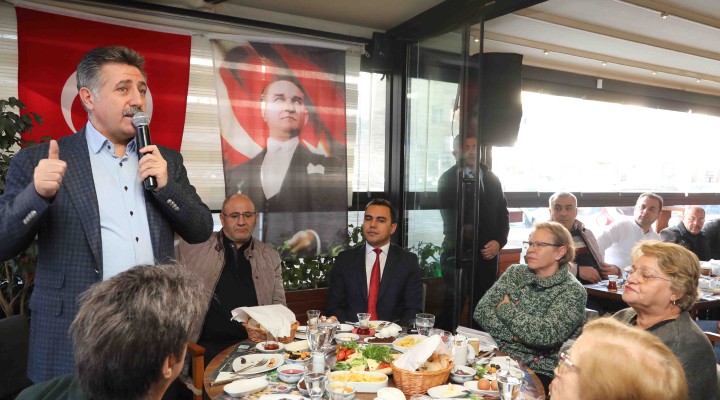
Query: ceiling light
[663,15]
[477,40]
[546,52]
[697,80]
[604,63]
[654,73]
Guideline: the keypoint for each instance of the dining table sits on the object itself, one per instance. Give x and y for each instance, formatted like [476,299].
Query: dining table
[241,348]
[707,300]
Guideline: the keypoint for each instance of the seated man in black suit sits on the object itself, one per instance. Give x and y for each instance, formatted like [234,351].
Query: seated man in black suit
[377,277]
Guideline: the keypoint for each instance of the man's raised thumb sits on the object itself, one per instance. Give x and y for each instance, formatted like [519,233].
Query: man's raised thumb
[54,152]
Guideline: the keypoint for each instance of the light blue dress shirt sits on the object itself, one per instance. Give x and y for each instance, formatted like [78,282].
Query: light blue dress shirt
[124,225]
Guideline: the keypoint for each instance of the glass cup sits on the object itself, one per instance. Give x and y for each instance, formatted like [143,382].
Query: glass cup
[424,322]
[509,381]
[363,319]
[313,316]
[336,390]
[270,342]
[315,379]
[445,336]
[612,283]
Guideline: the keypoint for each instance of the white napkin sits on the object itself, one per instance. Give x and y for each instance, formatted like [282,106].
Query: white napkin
[388,331]
[276,319]
[412,359]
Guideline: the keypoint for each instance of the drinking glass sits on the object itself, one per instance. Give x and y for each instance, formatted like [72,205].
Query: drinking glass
[509,380]
[445,336]
[363,319]
[313,316]
[315,380]
[336,390]
[328,330]
[424,322]
[315,339]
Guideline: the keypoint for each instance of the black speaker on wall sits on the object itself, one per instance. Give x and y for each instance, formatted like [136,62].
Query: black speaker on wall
[500,98]
[385,51]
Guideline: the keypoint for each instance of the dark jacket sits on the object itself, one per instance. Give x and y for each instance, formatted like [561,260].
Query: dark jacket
[698,244]
[711,231]
[69,239]
[401,291]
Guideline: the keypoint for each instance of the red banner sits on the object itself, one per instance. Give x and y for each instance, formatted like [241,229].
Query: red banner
[50,47]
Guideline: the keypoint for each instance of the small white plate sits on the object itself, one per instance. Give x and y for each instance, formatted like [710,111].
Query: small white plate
[261,346]
[446,391]
[375,324]
[472,387]
[279,396]
[253,358]
[301,345]
[345,328]
[301,328]
[346,337]
[243,387]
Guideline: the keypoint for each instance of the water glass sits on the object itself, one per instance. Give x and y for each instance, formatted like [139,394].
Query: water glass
[313,316]
[363,319]
[424,322]
[315,379]
[336,390]
[509,381]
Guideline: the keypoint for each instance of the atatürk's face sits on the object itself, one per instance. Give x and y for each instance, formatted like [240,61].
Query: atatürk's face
[284,110]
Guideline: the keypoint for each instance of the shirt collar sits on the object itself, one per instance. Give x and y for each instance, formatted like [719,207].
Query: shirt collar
[286,146]
[96,140]
[369,249]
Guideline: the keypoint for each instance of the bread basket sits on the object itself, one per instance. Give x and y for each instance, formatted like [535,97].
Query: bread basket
[416,382]
[257,333]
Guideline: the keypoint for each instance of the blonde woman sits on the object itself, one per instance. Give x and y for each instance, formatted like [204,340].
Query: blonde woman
[533,308]
[613,361]
[660,290]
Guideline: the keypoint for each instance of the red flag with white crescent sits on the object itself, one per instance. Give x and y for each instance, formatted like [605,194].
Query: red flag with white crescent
[50,47]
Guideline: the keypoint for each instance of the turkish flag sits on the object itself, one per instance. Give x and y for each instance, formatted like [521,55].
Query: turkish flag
[50,47]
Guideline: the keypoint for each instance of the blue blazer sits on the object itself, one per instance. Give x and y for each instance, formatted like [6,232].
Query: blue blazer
[69,241]
[400,294]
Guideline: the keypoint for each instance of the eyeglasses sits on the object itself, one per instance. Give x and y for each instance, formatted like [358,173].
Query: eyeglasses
[642,275]
[565,362]
[539,245]
[236,216]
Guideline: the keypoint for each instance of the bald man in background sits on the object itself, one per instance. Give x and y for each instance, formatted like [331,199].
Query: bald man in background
[688,233]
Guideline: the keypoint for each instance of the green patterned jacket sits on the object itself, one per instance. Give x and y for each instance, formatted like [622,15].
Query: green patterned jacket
[541,315]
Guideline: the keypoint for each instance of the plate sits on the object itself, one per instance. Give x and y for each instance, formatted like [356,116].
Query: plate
[301,345]
[403,344]
[244,387]
[261,346]
[366,340]
[345,328]
[253,358]
[278,396]
[301,328]
[472,387]
[375,324]
[449,390]
[346,337]
[363,387]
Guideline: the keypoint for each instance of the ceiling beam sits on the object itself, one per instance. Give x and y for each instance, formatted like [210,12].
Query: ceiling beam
[660,7]
[451,14]
[617,34]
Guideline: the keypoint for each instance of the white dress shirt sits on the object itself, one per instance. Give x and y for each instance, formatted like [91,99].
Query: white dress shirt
[276,163]
[616,242]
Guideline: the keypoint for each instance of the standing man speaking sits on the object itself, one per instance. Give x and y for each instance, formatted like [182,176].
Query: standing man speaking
[82,196]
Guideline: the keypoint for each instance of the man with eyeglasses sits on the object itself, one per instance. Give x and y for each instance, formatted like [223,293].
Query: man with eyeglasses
[617,242]
[236,270]
[688,233]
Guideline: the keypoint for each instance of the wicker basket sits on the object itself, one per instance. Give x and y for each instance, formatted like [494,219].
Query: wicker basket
[257,333]
[415,382]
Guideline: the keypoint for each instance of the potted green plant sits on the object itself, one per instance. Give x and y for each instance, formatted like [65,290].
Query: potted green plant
[16,274]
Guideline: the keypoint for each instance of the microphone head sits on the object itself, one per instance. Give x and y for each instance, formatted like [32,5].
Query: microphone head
[140,119]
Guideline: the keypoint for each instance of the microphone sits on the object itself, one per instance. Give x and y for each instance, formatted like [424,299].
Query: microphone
[142,122]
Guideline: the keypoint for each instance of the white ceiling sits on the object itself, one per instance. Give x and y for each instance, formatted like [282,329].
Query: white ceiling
[629,36]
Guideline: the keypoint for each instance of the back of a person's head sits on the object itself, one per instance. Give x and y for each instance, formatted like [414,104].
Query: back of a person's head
[627,363]
[129,325]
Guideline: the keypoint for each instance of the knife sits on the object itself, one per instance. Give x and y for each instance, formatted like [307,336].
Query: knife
[235,378]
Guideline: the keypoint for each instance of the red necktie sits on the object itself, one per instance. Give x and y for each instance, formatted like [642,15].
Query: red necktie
[374,286]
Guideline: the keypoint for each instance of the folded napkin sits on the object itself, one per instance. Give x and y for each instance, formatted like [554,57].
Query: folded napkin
[389,331]
[412,359]
[276,319]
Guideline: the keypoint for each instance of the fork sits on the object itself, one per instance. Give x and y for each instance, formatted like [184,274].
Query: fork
[259,363]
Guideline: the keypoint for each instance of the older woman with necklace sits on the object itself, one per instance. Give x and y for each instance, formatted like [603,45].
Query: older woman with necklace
[660,290]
